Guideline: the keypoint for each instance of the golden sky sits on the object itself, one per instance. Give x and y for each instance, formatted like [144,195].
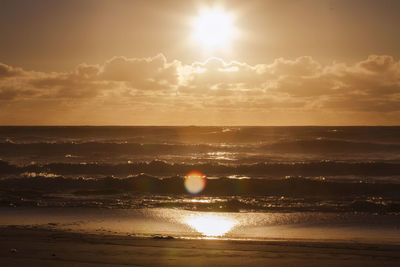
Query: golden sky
[169,62]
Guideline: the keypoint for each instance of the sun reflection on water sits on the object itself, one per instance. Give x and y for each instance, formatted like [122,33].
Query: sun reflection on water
[210,225]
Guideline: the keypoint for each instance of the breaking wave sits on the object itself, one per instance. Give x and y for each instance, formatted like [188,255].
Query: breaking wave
[143,191]
[260,170]
[9,148]
[143,183]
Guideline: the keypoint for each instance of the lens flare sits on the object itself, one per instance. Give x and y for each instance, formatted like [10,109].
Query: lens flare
[211,225]
[195,182]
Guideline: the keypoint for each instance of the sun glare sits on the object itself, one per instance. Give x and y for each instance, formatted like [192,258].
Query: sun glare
[210,225]
[214,28]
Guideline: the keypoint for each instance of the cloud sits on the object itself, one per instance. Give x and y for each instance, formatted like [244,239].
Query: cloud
[8,71]
[158,87]
[142,73]
[300,67]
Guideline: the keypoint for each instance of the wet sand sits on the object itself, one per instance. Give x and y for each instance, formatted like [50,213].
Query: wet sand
[21,246]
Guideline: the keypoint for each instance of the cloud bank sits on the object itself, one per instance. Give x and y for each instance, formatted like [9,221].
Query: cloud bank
[159,91]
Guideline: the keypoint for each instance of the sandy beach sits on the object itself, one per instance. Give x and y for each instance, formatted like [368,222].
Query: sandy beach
[38,247]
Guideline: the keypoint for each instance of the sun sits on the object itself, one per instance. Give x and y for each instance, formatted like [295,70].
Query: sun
[214,28]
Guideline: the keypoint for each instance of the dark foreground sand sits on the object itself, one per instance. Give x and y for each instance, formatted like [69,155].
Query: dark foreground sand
[37,247]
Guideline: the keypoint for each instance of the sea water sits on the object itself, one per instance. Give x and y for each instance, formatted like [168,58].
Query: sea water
[259,182]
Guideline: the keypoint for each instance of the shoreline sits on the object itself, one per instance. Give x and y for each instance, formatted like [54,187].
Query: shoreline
[40,247]
[147,222]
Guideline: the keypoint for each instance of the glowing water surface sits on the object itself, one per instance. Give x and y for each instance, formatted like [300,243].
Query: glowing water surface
[210,225]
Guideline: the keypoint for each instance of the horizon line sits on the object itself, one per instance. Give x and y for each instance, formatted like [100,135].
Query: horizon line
[188,125]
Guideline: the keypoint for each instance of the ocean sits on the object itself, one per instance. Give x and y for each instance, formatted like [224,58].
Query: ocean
[248,182]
